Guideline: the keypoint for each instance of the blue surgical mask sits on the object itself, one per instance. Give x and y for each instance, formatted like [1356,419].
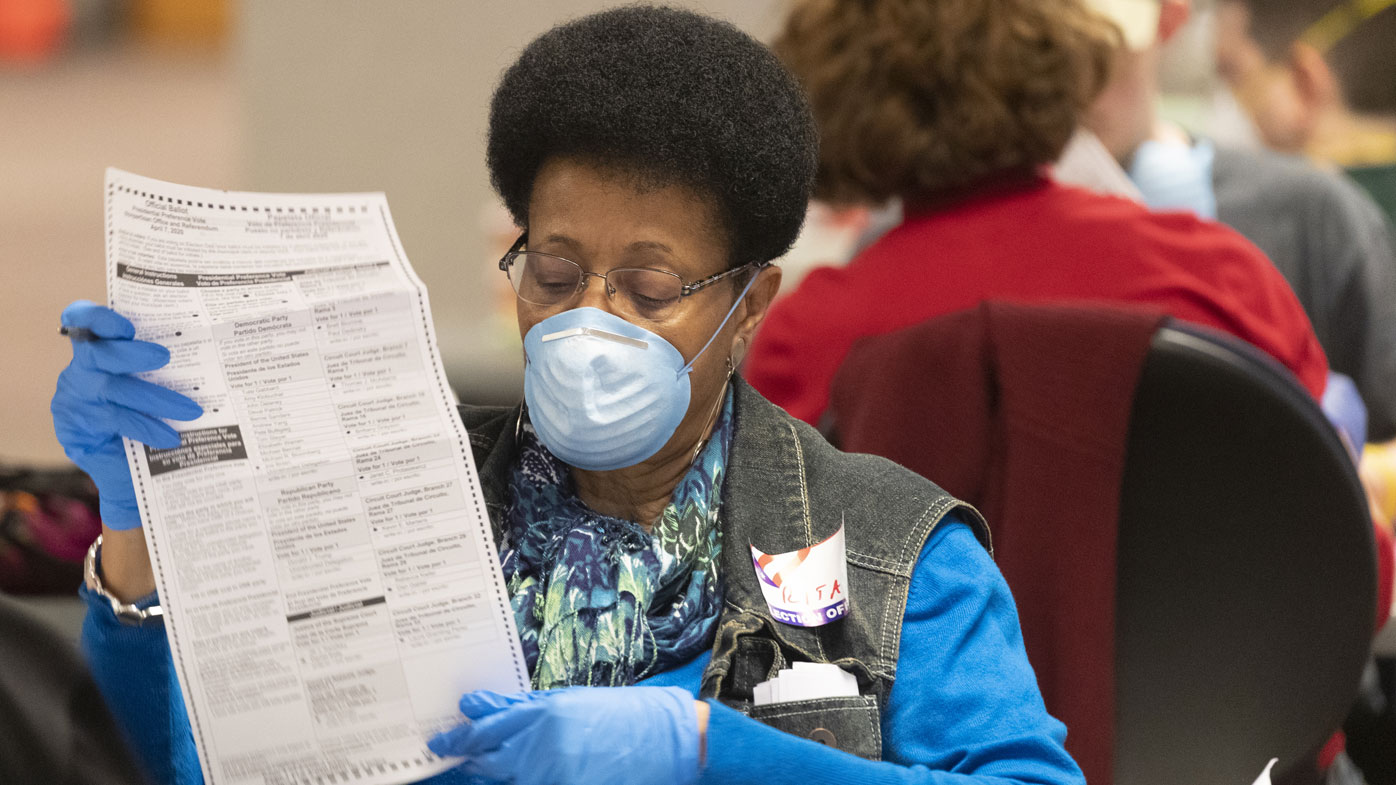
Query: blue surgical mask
[604,393]
[1176,176]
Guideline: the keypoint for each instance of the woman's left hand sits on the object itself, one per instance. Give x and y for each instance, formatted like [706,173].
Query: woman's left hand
[580,735]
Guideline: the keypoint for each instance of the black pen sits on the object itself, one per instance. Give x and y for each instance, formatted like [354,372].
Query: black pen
[78,333]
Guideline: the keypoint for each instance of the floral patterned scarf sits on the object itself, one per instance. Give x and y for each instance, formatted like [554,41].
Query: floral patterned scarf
[600,601]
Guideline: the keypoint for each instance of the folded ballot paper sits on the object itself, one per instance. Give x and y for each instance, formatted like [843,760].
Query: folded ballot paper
[1264,778]
[806,681]
[320,543]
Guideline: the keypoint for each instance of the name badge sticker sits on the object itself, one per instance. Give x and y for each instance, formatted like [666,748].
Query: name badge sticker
[808,587]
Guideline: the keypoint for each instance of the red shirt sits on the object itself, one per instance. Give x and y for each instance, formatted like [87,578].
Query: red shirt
[1041,241]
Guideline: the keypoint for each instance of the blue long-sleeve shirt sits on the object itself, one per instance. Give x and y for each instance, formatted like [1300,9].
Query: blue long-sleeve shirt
[964,709]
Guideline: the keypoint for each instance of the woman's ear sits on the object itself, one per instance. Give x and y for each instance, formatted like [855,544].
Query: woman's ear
[754,308]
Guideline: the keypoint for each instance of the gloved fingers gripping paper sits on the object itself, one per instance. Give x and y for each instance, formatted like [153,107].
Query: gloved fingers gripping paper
[319,540]
[97,319]
[97,402]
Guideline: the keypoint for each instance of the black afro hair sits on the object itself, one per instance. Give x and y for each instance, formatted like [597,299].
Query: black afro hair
[670,97]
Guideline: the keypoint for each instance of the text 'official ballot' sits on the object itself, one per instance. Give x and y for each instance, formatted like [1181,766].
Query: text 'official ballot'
[808,587]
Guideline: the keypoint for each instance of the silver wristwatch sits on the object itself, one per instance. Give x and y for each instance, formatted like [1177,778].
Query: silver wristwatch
[125,612]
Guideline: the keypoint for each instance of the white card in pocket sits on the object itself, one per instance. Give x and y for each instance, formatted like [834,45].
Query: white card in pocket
[806,681]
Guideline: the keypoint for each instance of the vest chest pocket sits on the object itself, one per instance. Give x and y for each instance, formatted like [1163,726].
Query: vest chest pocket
[853,724]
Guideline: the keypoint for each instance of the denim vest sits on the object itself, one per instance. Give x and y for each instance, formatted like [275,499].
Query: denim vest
[787,488]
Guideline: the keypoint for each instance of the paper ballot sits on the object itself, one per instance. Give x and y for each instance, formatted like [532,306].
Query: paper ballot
[319,540]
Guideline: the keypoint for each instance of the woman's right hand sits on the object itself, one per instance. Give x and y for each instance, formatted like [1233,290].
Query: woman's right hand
[99,401]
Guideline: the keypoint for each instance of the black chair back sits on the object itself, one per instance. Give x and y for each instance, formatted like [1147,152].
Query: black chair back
[1246,580]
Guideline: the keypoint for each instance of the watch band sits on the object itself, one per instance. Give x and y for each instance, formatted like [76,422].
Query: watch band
[126,613]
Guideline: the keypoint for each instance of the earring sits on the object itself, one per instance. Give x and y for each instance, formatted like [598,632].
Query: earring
[738,349]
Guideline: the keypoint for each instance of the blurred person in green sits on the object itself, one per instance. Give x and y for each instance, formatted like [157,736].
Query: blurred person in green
[1318,77]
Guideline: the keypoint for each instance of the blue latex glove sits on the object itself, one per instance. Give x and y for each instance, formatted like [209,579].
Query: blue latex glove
[98,402]
[578,736]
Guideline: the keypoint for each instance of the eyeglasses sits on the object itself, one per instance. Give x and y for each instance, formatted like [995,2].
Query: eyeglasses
[640,292]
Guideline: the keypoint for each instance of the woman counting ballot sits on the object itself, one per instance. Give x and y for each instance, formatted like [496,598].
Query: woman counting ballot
[657,161]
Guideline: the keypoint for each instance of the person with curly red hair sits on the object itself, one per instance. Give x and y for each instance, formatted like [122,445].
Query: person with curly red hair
[957,108]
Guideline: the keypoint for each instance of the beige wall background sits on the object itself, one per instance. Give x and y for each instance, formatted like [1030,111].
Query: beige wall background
[313,95]
[394,96]
[169,115]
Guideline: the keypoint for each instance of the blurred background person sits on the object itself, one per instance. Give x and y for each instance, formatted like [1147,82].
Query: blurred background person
[1318,77]
[1324,234]
[957,107]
